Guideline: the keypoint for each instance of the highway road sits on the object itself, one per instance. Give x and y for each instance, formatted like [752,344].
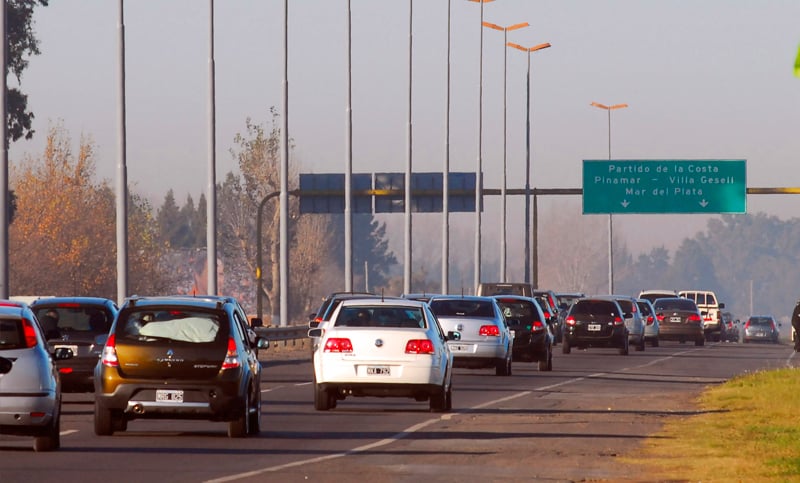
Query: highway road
[570,424]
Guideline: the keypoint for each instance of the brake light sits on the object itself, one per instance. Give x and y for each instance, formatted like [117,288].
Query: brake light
[232,356]
[694,318]
[10,303]
[68,305]
[537,326]
[618,321]
[338,344]
[110,352]
[747,325]
[419,346]
[649,320]
[547,314]
[30,333]
[660,317]
[552,301]
[490,330]
[65,370]
[570,320]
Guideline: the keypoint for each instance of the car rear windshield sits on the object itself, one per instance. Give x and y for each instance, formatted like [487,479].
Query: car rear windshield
[60,319]
[11,334]
[644,308]
[462,308]
[675,304]
[181,325]
[384,317]
[760,321]
[594,307]
[521,310]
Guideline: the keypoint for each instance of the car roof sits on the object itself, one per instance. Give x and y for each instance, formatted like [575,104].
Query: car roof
[75,300]
[489,298]
[384,301]
[210,301]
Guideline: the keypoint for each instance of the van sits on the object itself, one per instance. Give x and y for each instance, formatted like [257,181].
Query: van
[709,306]
[501,288]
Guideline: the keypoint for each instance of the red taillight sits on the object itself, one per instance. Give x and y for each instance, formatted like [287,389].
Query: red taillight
[694,318]
[537,326]
[618,321]
[552,301]
[660,317]
[232,356]
[69,305]
[30,333]
[546,314]
[110,352]
[747,324]
[570,320]
[338,344]
[490,330]
[419,346]
[649,320]
[65,370]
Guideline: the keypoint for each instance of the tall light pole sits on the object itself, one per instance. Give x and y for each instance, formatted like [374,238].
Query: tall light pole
[211,205]
[479,167]
[503,194]
[348,171]
[446,173]
[283,198]
[610,219]
[529,259]
[408,260]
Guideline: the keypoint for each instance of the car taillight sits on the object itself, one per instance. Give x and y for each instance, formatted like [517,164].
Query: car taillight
[232,356]
[747,325]
[547,314]
[110,352]
[570,320]
[649,320]
[30,333]
[419,346]
[537,326]
[65,370]
[694,318]
[660,317]
[618,321]
[490,330]
[338,344]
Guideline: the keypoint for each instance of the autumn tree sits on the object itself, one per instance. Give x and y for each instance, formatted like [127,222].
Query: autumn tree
[63,239]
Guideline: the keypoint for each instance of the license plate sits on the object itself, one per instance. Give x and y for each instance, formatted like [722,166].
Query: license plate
[378,371]
[594,327]
[676,320]
[459,348]
[169,395]
[73,348]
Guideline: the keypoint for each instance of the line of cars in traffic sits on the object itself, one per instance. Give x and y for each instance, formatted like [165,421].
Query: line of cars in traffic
[177,357]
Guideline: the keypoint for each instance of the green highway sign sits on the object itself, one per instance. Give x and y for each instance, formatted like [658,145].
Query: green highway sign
[664,186]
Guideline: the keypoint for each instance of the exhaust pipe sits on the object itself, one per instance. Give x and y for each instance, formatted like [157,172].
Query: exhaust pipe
[138,409]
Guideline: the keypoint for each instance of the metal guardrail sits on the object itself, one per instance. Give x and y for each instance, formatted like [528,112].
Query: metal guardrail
[288,334]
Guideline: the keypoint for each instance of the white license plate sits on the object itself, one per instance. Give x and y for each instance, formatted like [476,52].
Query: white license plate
[73,348]
[676,320]
[378,371]
[459,348]
[593,327]
[169,395]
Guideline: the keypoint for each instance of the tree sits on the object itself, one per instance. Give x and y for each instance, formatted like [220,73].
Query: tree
[63,240]
[21,43]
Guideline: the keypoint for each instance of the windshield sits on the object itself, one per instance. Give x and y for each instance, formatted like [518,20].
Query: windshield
[190,326]
[462,308]
[385,317]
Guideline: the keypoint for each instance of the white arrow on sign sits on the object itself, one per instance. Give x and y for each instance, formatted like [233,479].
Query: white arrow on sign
[704,203]
[625,203]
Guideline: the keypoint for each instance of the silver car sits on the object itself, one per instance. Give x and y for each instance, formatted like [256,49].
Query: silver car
[633,320]
[651,325]
[486,340]
[30,392]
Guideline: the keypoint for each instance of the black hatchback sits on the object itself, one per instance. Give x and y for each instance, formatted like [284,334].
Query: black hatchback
[595,322]
[533,340]
[81,325]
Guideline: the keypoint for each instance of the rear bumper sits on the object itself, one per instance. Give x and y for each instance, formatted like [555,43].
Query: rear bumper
[381,389]
[16,410]
[680,332]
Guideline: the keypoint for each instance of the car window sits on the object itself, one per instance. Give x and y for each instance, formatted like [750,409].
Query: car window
[594,307]
[189,326]
[521,310]
[387,317]
[462,308]
[675,304]
[644,309]
[241,328]
[11,334]
[79,318]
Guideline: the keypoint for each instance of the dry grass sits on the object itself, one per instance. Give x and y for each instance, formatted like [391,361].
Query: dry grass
[749,430]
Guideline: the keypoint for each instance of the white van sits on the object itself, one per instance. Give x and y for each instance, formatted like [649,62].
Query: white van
[709,306]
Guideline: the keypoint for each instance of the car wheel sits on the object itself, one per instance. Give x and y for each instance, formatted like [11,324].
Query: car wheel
[103,420]
[640,344]
[322,398]
[438,400]
[565,348]
[254,425]
[239,427]
[448,402]
[546,363]
[623,351]
[700,342]
[51,439]
[654,342]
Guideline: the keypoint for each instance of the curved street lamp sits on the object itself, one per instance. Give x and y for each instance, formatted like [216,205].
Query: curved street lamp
[610,222]
[528,222]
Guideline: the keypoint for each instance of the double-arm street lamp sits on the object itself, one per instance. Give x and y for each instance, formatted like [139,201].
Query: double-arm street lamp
[610,222]
[503,194]
[528,223]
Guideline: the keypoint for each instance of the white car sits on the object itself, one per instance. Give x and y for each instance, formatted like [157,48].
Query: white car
[485,338]
[383,348]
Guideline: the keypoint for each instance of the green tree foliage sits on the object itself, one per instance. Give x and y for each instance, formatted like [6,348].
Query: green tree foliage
[370,246]
[22,43]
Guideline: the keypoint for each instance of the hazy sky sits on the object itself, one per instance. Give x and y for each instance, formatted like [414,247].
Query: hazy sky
[708,79]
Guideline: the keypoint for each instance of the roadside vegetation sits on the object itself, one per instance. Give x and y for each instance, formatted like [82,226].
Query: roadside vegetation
[747,429]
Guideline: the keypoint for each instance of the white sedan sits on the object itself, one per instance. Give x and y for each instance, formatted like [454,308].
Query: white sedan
[383,348]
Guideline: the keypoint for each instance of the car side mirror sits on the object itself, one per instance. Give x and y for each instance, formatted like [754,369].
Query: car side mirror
[453,335]
[315,333]
[262,343]
[721,305]
[256,322]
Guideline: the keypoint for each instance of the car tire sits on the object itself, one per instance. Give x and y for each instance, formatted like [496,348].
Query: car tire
[624,350]
[240,427]
[700,342]
[438,400]
[254,425]
[322,398]
[546,363]
[565,348]
[448,403]
[51,439]
[654,342]
[640,345]
[103,420]
[503,367]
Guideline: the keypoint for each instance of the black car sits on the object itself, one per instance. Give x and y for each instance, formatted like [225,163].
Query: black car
[180,357]
[546,300]
[533,340]
[330,302]
[595,322]
[80,324]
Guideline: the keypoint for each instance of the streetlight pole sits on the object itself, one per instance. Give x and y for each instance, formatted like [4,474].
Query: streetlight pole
[610,219]
[446,175]
[528,256]
[479,167]
[503,194]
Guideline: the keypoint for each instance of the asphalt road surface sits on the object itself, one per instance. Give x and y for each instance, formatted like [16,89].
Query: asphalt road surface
[571,424]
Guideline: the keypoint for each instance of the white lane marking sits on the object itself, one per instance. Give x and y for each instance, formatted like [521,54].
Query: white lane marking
[271,389]
[412,429]
[789,359]
[67,432]
[304,383]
